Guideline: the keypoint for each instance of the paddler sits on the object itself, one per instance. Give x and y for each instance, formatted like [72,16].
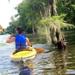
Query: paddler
[21,41]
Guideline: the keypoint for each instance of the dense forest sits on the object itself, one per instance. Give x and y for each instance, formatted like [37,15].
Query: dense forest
[32,13]
[43,17]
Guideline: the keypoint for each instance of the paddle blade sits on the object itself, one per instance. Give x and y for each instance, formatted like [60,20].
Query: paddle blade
[10,39]
[39,50]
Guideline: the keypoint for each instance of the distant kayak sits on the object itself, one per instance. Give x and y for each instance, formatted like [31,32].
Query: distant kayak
[24,55]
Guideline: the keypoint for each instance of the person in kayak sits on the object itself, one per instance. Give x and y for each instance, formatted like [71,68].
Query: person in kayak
[21,41]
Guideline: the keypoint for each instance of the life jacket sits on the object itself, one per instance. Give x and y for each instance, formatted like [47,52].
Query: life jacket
[20,41]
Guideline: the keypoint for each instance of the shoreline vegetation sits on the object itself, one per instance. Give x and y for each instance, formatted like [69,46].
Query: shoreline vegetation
[44,18]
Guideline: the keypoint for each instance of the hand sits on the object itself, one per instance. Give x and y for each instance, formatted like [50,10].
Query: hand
[10,39]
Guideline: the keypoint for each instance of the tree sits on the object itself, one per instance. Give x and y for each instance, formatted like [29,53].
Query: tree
[31,12]
[67,7]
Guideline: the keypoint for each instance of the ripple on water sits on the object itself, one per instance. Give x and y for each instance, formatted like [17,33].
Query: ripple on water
[70,72]
[43,63]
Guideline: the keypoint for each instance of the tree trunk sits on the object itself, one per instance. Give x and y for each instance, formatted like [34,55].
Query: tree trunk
[52,7]
[33,29]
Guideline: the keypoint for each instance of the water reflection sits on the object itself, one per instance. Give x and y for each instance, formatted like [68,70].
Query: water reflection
[51,62]
[60,59]
[71,60]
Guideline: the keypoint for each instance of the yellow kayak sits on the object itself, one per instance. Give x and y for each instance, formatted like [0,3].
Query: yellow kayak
[24,54]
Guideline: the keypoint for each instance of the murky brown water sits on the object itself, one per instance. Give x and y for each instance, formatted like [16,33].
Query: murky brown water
[50,62]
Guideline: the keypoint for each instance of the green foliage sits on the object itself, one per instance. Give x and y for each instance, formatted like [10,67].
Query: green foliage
[55,20]
[49,22]
[31,14]
[67,7]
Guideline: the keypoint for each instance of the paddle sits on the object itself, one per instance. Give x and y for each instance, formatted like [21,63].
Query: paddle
[39,50]
[10,39]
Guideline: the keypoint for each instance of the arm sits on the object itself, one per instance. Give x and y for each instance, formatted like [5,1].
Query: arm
[28,42]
